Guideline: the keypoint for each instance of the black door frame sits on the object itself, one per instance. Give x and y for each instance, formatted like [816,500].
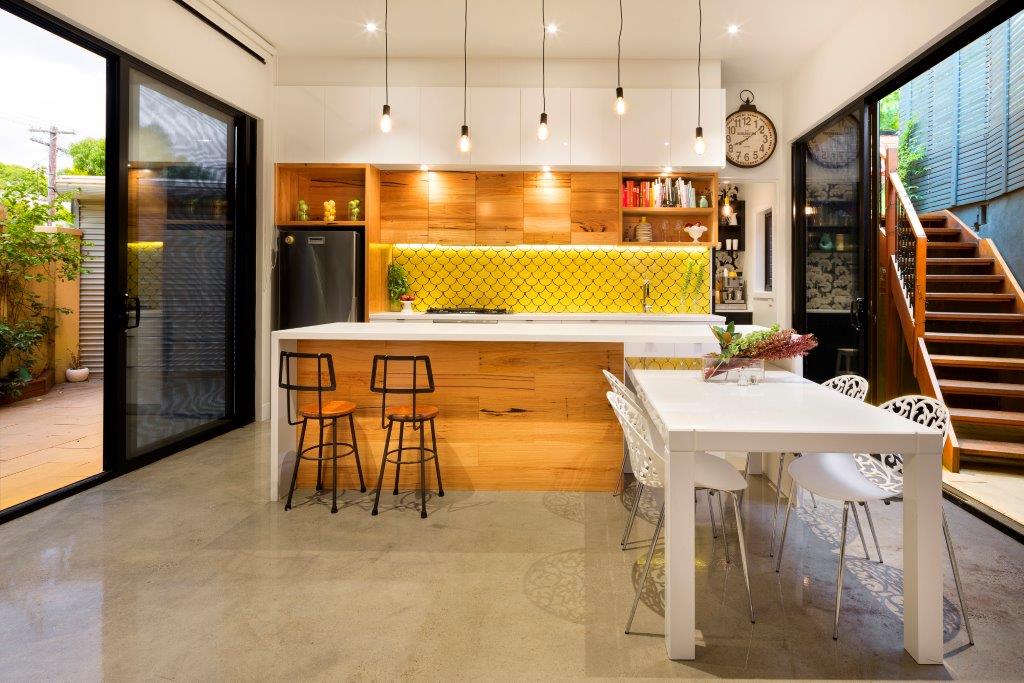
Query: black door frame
[115,462]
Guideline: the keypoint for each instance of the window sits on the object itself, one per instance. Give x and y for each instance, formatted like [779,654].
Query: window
[766,232]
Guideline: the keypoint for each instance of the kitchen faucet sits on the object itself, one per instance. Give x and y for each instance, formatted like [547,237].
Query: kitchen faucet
[647,296]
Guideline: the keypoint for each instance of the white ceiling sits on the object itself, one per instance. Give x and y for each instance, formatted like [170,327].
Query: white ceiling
[775,35]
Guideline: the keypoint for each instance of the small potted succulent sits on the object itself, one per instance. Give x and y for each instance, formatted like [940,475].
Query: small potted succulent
[406,301]
[75,371]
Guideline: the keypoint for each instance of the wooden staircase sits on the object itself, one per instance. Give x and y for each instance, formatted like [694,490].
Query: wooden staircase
[972,347]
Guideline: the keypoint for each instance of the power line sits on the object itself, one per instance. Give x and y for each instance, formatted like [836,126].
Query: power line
[53,134]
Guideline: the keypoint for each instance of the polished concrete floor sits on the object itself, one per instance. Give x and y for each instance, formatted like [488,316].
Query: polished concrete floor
[180,571]
[50,441]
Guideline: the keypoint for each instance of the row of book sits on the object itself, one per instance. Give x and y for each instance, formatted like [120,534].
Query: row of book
[662,192]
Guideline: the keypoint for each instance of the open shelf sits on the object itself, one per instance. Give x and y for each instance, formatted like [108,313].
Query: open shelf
[671,210]
[667,244]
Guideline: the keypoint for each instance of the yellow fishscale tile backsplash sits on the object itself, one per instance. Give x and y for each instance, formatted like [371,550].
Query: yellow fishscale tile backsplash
[562,279]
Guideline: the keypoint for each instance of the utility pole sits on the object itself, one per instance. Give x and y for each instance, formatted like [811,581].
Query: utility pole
[51,142]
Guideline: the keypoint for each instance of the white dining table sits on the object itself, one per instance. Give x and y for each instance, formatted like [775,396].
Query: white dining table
[787,413]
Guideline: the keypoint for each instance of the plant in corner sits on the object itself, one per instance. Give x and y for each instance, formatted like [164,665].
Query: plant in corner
[398,282]
[28,257]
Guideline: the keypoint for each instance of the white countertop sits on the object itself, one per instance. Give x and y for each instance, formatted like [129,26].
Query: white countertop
[554,317]
[649,339]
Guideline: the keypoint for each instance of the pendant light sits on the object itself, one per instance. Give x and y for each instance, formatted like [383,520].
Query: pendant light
[542,127]
[465,144]
[385,117]
[620,100]
[698,143]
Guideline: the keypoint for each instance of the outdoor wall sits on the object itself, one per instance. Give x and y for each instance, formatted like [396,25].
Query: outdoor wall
[1005,227]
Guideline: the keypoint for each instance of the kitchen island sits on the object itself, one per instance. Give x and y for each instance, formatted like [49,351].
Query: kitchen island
[522,404]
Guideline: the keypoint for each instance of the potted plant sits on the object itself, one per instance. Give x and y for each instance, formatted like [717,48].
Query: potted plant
[398,282]
[30,255]
[407,300]
[747,354]
[76,372]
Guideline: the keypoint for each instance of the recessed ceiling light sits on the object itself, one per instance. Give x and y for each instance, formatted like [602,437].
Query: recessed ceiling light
[733,29]
[371,27]
[552,28]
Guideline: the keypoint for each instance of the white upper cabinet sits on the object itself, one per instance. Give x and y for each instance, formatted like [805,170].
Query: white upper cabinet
[646,128]
[440,122]
[494,125]
[402,144]
[300,123]
[684,127]
[346,126]
[555,150]
[595,127]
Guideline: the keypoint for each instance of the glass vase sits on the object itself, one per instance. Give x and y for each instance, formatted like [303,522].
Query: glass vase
[743,371]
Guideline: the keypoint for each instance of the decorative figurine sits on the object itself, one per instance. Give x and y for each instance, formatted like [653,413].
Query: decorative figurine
[330,211]
[303,210]
[826,242]
[353,210]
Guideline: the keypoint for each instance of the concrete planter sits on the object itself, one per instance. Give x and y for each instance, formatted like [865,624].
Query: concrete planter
[76,374]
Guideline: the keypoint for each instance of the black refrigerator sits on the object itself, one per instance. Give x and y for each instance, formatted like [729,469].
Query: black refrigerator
[319,277]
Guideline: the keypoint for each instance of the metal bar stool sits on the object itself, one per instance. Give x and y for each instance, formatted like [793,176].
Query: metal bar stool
[325,414]
[416,414]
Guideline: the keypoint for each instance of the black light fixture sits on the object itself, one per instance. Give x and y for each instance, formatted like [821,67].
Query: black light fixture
[698,143]
[465,144]
[385,117]
[620,100]
[542,127]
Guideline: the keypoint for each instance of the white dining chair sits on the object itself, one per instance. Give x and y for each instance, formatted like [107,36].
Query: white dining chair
[863,478]
[710,472]
[855,387]
[620,389]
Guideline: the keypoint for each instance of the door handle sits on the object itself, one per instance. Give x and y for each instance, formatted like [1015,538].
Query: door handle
[136,307]
[857,313]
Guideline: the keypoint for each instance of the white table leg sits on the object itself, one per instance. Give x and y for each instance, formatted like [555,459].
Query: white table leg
[680,558]
[282,435]
[923,561]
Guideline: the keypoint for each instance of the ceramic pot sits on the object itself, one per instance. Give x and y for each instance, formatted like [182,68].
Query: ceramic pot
[76,374]
[407,307]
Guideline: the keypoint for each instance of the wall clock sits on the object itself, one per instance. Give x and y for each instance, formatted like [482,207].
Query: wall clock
[838,145]
[750,136]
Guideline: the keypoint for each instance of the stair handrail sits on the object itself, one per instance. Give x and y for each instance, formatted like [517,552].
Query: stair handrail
[907,254]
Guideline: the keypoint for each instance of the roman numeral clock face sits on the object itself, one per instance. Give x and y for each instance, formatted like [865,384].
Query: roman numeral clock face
[750,138]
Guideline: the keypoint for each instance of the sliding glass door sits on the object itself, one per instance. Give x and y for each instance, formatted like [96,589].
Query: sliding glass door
[180,320]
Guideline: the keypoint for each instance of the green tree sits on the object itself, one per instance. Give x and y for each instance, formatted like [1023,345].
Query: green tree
[889,112]
[911,153]
[88,157]
[33,178]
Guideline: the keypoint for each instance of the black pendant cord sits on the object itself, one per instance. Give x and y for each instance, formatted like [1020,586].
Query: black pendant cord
[465,58]
[700,37]
[543,57]
[386,88]
[618,59]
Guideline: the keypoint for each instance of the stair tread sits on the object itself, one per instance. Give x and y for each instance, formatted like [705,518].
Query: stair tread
[973,316]
[979,416]
[991,448]
[963,386]
[973,337]
[952,245]
[960,260]
[969,296]
[940,230]
[995,362]
[949,277]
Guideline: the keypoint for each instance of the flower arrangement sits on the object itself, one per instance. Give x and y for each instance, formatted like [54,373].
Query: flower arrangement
[738,351]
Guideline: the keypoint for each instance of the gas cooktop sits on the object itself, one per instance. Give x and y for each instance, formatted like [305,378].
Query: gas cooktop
[472,310]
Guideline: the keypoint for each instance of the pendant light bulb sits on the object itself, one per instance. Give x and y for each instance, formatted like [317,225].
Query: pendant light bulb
[465,144]
[620,102]
[385,119]
[698,145]
[542,129]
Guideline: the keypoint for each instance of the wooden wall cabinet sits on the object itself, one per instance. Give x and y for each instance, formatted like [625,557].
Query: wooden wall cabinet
[499,208]
[594,208]
[404,204]
[451,215]
[546,215]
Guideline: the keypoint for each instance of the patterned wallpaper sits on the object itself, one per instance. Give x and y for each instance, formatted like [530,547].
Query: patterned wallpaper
[830,280]
[562,279]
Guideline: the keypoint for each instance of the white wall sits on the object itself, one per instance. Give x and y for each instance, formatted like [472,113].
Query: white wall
[168,37]
[878,38]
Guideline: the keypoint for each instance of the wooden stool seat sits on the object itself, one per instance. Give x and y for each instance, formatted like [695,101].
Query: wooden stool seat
[331,409]
[404,413]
